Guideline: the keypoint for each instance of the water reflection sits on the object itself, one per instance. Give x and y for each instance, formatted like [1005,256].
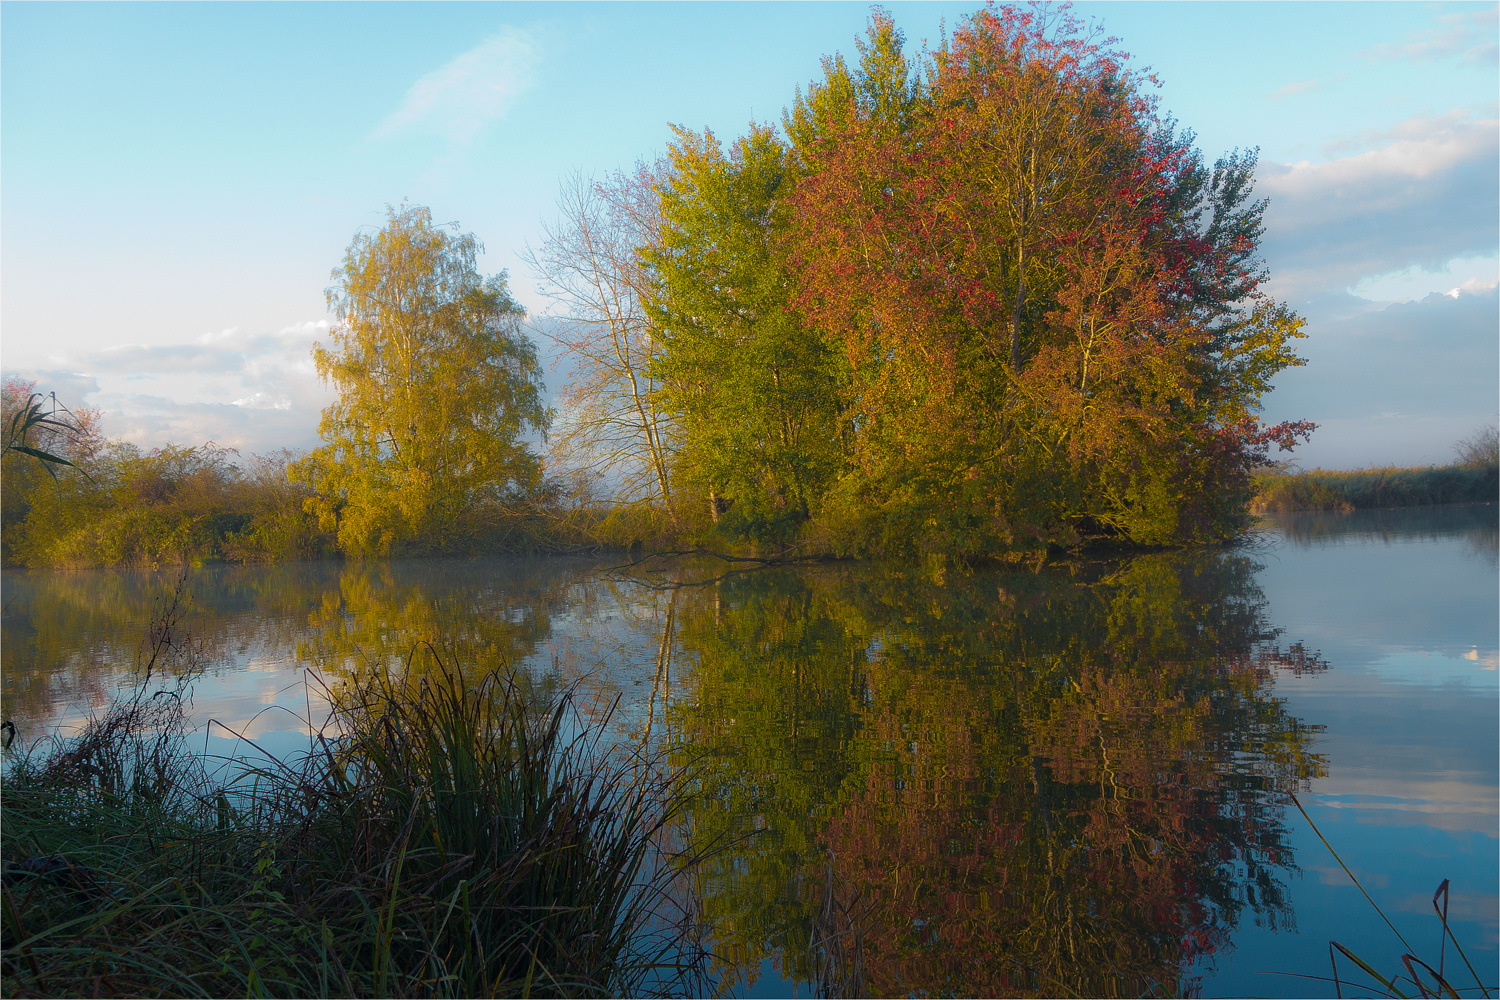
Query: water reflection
[1475,523]
[71,638]
[1006,785]
[1065,782]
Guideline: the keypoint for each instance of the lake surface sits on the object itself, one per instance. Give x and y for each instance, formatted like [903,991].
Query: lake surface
[985,784]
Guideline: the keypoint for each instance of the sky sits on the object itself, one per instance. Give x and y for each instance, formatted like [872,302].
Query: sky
[177,181]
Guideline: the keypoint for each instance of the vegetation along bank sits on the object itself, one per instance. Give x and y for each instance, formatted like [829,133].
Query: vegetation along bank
[973,306]
[442,835]
[1473,478]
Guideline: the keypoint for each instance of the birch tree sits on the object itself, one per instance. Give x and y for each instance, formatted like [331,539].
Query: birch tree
[437,386]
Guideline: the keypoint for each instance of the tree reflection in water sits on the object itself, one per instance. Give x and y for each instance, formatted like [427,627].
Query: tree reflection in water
[1009,783]
[1056,783]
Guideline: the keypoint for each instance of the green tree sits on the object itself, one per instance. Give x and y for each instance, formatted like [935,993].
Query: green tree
[752,390]
[437,384]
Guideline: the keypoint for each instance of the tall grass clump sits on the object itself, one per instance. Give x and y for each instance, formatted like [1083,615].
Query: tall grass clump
[443,836]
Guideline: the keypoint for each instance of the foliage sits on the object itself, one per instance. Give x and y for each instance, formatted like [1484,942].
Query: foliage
[1474,478]
[38,440]
[1320,489]
[437,383]
[1023,310]
[751,388]
[170,505]
[444,839]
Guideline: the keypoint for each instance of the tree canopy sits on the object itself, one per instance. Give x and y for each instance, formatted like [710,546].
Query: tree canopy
[1018,307]
[437,386]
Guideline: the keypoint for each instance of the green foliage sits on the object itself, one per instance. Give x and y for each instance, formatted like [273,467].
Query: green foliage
[44,440]
[423,450]
[171,505]
[752,390]
[1022,309]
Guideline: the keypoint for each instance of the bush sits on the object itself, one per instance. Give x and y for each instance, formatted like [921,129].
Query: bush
[1480,448]
[168,506]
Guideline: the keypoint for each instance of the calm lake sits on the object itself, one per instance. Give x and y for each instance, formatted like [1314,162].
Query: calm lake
[985,784]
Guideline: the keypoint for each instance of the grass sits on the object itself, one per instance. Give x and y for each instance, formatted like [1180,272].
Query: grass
[1388,487]
[1473,478]
[443,836]
[1426,980]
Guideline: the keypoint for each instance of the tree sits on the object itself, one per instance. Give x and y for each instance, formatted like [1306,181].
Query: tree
[589,260]
[1480,448]
[437,385]
[752,390]
[1050,309]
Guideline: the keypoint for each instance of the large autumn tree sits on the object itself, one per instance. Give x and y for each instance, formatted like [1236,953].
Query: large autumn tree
[437,387]
[1038,313]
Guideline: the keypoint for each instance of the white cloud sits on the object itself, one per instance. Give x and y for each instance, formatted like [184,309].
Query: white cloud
[1461,274]
[264,401]
[1473,285]
[1467,35]
[476,88]
[253,391]
[1428,194]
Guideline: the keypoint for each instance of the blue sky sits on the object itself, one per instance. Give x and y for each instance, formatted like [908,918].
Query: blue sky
[178,180]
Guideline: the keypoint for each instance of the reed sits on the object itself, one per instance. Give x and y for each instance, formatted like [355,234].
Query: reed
[1388,487]
[1425,979]
[443,836]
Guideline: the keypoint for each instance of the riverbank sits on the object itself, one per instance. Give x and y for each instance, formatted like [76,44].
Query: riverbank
[442,836]
[1321,489]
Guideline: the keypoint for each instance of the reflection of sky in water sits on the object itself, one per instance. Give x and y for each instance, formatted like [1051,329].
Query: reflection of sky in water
[256,696]
[1403,606]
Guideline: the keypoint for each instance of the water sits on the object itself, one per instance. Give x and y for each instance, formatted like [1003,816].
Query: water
[1076,780]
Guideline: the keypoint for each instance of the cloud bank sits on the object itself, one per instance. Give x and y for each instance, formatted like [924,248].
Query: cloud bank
[1428,194]
[252,391]
[1412,213]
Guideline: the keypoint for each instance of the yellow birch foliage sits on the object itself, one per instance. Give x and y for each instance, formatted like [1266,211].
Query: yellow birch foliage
[437,383]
